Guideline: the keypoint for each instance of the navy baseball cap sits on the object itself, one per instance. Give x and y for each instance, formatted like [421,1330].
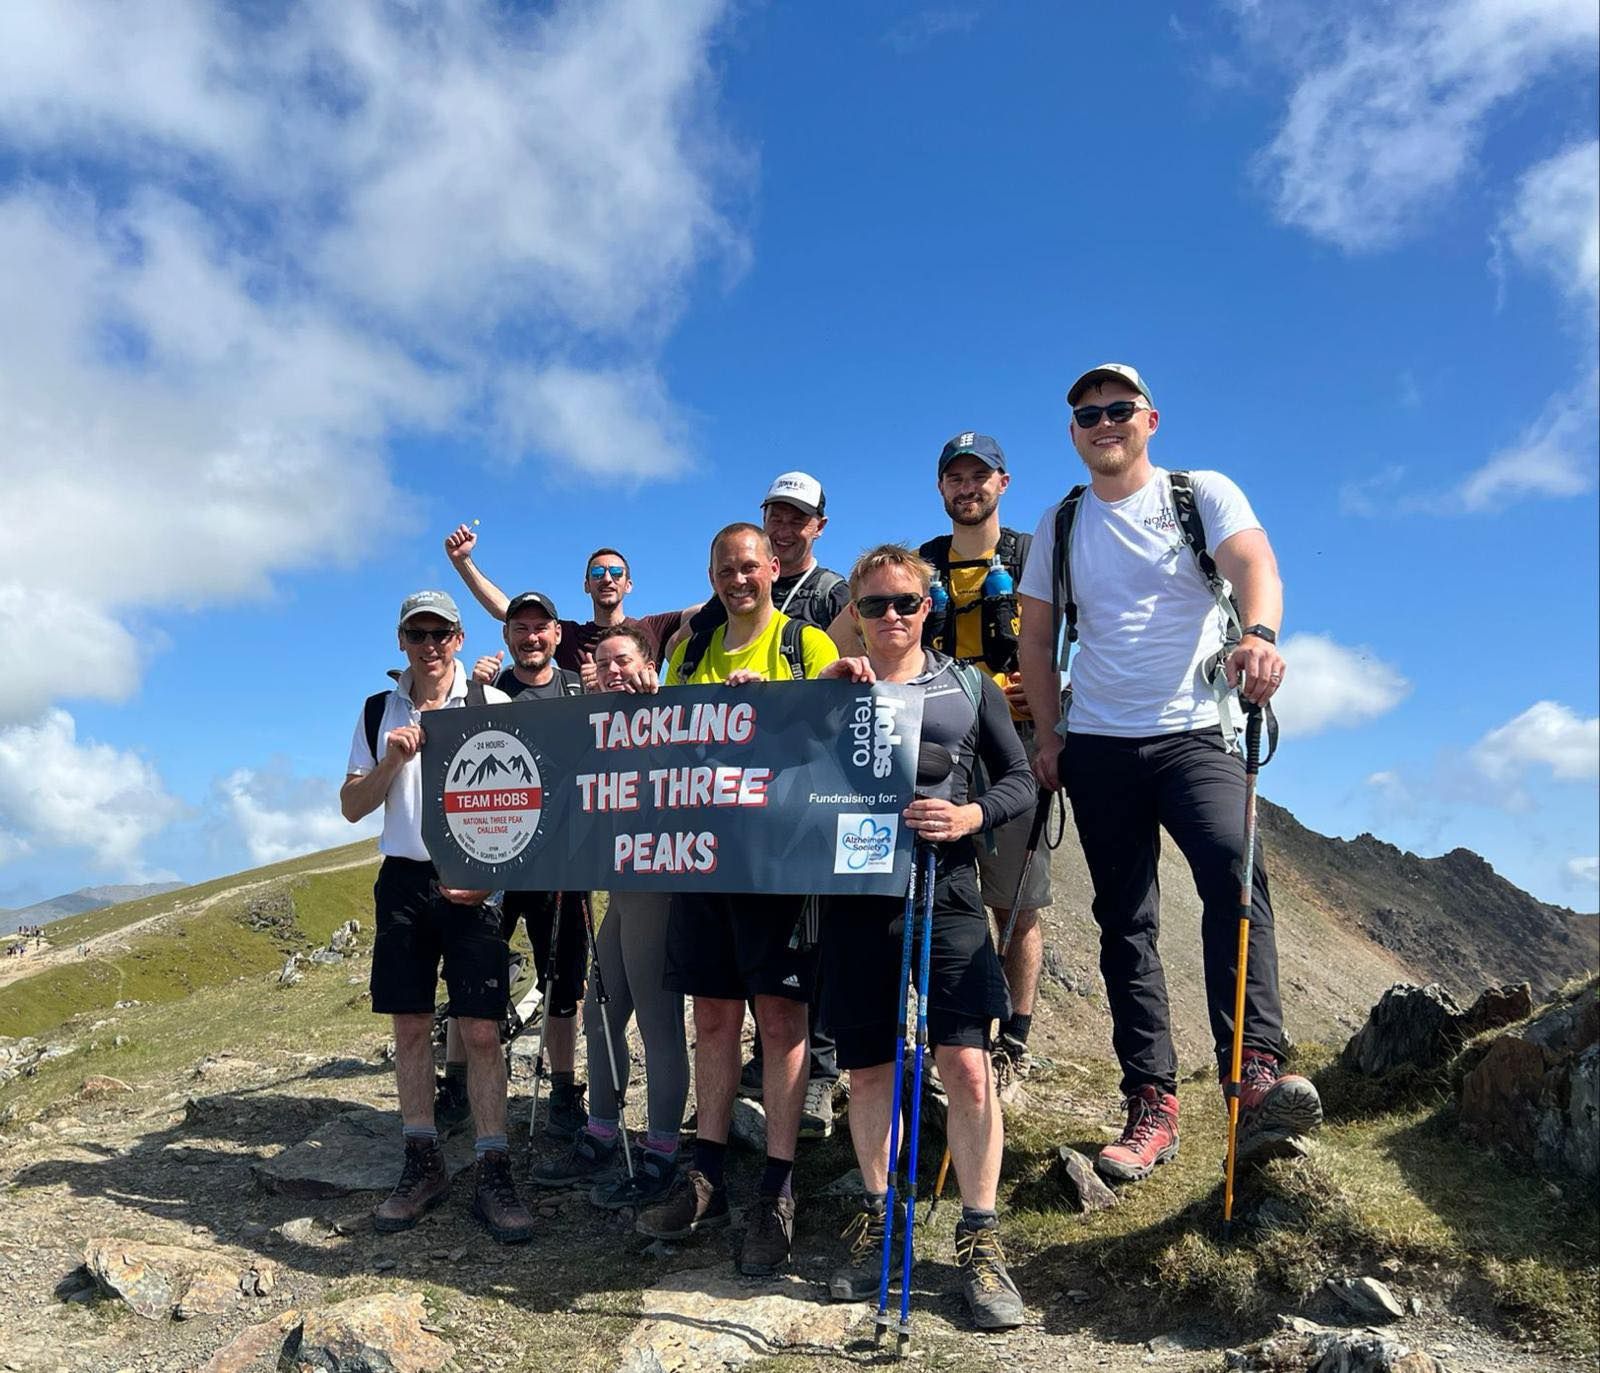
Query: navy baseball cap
[531,598]
[979,446]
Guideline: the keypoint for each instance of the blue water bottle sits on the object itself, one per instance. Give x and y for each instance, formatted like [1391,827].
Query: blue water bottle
[997,581]
[939,596]
[1000,622]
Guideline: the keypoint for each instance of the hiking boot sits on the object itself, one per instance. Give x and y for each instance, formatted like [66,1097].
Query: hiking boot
[1150,1137]
[451,1108]
[750,1080]
[991,1296]
[589,1159]
[1275,1109]
[653,1176]
[1012,1064]
[568,1113]
[816,1115]
[858,1279]
[694,1206]
[768,1238]
[496,1202]
[424,1183]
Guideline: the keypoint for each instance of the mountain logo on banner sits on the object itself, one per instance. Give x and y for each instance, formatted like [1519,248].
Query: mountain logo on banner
[494,797]
[865,843]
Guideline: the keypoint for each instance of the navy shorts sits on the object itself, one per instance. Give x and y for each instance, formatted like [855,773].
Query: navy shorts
[417,929]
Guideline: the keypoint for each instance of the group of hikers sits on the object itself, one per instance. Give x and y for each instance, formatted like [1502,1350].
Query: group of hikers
[18,947]
[1163,587]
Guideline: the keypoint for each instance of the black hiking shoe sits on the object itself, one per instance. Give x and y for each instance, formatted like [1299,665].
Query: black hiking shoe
[590,1159]
[991,1296]
[769,1238]
[858,1279]
[424,1183]
[750,1080]
[568,1111]
[496,1203]
[816,1114]
[653,1176]
[692,1207]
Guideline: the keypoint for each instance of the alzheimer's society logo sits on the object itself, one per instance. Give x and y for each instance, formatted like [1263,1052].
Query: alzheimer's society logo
[866,843]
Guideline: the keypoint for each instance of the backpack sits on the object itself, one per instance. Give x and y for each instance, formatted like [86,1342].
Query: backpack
[812,595]
[999,639]
[372,711]
[791,644]
[571,683]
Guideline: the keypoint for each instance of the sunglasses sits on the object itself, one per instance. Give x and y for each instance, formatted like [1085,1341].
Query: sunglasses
[421,636]
[600,571]
[1118,412]
[876,607]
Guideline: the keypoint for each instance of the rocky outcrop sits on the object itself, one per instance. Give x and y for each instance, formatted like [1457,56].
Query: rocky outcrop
[1423,1028]
[1305,1347]
[161,1281]
[384,1332]
[356,1151]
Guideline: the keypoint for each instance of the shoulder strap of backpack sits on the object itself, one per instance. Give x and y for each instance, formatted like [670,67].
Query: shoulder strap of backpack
[937,552]
[1193,529]
[476,696]
[571,682]
[694,649]
[1063,609]
[971,683]
[1012,549]
[372,719]
[791,643]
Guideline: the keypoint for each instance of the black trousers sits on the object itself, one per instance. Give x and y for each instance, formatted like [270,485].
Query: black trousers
[1123,792]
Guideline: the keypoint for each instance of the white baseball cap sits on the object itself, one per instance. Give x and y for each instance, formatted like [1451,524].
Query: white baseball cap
[799,489]
[1109,371]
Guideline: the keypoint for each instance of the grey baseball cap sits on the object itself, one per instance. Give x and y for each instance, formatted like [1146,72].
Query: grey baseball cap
[531,598]
[1109,371]
[429,603]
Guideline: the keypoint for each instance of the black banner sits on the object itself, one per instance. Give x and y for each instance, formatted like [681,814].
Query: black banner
[775,787]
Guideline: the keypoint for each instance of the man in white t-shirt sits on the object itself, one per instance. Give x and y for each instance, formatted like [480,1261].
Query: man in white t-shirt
[420,924]
[1141,749]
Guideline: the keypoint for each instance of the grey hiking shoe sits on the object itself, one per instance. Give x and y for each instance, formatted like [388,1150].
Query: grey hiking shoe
[1012,1064]
[991,1295]
[816,1115]
[653,1176]
[769,1238]
[424,1183]
[692,1207]
[496,1203]
[589,1159]
[568,1112]
[858,1279]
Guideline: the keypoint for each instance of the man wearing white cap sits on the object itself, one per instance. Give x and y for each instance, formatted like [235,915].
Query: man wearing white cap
[1157,576]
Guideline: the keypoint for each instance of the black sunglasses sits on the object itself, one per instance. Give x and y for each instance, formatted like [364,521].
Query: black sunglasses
[1118,412]
[876,607]
[421,636]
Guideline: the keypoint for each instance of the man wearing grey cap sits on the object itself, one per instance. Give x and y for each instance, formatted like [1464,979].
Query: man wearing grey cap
[1145,566]
[419,924]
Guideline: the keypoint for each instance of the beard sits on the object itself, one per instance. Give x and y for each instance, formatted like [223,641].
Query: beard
[973,515]
[1111,462]
[532,660]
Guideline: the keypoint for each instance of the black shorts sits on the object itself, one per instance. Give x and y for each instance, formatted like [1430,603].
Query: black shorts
[737,945]
[572,952]
[861,951]
[416,929]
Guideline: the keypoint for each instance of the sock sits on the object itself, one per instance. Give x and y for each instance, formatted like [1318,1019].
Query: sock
[423,1134]
[665,1144]
[602,1129]
[875,1201]
[486,1144]
[1017,1028]
[456,1072]
[975,1218]
[777,1178]
[710,1158]
[567,1080]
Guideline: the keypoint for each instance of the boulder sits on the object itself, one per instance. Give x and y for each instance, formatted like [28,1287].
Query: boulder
[357,1151]
[255,1349]
[1083,1185]
[165,1280]
[99,1085]
[382,1332]
[1367,1297]
[1419,1027]
[1305,1347]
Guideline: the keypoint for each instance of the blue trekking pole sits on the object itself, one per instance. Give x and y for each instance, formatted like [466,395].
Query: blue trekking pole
[924,959]
[882,1323]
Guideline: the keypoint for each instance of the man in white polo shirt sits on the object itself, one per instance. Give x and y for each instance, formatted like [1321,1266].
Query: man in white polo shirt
[420,923]
[1141,748]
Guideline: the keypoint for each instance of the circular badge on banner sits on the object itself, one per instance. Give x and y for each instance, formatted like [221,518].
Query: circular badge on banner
[493,796]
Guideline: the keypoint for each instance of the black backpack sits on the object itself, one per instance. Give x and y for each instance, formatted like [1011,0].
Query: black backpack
[999,613]
[791,644]
[812,596]
[372,711]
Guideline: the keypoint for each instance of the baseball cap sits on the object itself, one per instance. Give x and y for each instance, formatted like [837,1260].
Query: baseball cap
[531,598]
[799,489]
[979,446]
[429,603]
[1109,371]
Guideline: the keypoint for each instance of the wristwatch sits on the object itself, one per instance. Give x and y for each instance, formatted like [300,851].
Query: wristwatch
[1263,632]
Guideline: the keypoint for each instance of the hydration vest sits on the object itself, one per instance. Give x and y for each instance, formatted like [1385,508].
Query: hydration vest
[998,614]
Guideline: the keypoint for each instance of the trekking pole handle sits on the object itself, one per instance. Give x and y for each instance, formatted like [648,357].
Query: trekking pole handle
[1252,736]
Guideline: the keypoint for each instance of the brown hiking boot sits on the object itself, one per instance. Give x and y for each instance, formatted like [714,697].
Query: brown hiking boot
[1275,1109]
[697,1205]
[496,1202]
[769,1237]
[1150,1137]
[424,1183]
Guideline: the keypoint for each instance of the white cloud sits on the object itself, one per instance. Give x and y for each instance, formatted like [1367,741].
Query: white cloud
[1546,735]
[1556,459]
[1554,225]
[278,816]
[1584,871]
[1327,685]
[58,792]
[1390,104]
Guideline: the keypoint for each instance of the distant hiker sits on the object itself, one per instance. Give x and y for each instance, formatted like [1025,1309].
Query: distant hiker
[965,712]
[1139,578]
[631,951]
[607,581]
[419,923]
[793,516]
[722,949]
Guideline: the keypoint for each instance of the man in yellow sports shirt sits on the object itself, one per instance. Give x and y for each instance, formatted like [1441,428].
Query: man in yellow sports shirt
[723,948]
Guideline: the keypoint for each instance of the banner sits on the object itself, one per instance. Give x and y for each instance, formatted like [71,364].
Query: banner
[776,787]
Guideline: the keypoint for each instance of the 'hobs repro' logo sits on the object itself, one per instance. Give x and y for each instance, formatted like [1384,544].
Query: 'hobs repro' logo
[493,796]
[874,733]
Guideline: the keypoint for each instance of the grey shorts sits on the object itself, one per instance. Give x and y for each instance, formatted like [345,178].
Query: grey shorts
[1000,868]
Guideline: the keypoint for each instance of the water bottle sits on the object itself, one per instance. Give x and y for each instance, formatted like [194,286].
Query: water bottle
[939,596]
[934,626]
[997,581]
[1001,623]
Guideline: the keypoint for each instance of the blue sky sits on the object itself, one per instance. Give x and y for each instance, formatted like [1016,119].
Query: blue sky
[286,301]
